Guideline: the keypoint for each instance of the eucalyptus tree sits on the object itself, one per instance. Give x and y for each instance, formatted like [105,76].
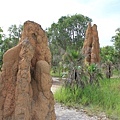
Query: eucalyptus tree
[14,34]
[10,40]
[67,33]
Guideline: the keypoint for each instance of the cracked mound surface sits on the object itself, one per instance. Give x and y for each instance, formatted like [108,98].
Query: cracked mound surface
[25,81]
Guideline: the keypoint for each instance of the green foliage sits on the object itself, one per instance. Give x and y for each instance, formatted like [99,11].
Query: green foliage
[1,41]
[67,33]
[92,68]
[109,60]
[107,53]
[105,97]
[7,42]
[94,73]
[56,72]
[83,75]
[14,34]
[116,43]
[71,56]
[116,40]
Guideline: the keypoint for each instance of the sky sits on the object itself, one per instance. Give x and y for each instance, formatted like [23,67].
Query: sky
[104,13]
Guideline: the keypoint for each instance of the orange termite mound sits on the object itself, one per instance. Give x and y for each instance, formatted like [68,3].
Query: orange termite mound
[25,80]
[91,47]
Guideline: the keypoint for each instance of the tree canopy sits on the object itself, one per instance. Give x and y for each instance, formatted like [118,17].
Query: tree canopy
[107,54]
[68,33]
[7,42]
[116,43]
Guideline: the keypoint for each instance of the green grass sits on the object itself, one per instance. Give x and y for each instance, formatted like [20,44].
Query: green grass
[116,74]
[55,74]
[105,97]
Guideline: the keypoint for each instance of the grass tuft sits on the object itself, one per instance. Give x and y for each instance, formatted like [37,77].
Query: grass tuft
[105,97]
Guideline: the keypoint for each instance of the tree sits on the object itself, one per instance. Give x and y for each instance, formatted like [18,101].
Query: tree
[12,39]
[67,33]
[116,42]
[14,34]
[7,42]
[108,60]
[69,30]
[107,53]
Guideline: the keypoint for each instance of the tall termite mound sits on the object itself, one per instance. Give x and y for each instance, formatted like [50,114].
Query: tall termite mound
[25,80]
[91,47]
